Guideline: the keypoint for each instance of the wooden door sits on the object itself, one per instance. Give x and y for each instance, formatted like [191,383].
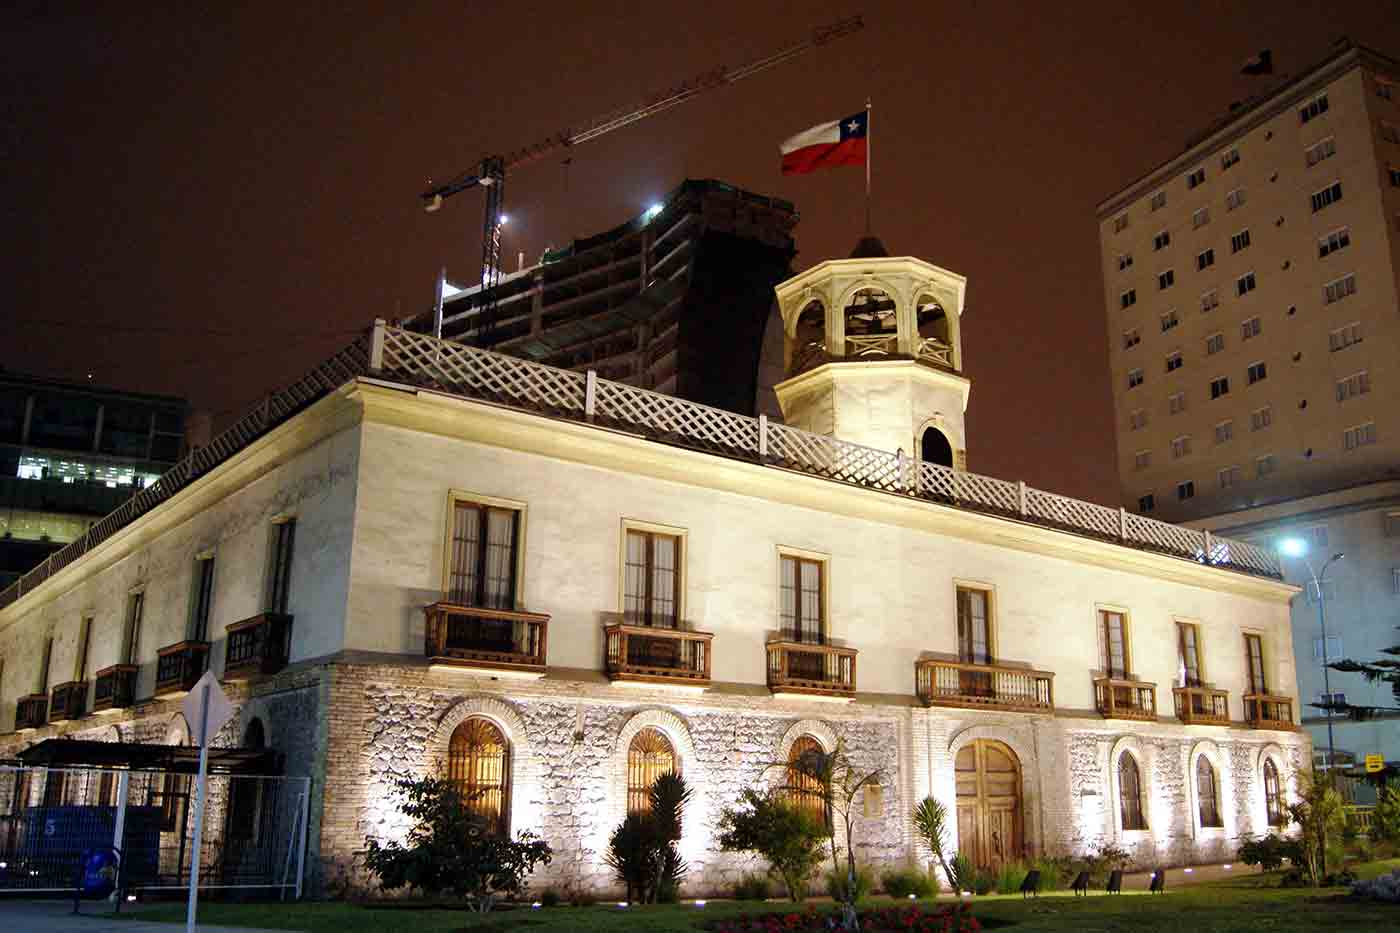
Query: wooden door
[989,803]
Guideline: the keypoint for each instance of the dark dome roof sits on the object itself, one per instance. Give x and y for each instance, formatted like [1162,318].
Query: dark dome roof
[869,247]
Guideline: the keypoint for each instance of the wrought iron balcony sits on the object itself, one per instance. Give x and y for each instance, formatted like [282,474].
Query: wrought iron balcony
[68,701]
[983,686]
[1125,698]
[179,666]
[115,687]
[492,639]
[260,645]
[814,669]
[1263,711]
[1202,706]
[644,654]
[32,711]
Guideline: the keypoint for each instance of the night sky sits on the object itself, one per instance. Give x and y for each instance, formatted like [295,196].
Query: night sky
[205,202]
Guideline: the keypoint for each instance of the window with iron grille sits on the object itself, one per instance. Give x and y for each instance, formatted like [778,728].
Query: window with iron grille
[1320,151]
[478,766]
[1205,259]
[1219,387]
[1250,327]
[1334,241]
[649,756]
[1312,109]
[651,583]
[1165,280]
[1128,298]
[1231,157]
[279,570]
[1244,284]
[1198,177]
[1335,291]
[1239,241]
[1329,195]
[1161,240]
[1257,372]
[1214,344]
[483,555]
[1173,362]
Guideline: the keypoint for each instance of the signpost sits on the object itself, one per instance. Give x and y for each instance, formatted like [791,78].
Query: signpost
[1375,763]
[206,709]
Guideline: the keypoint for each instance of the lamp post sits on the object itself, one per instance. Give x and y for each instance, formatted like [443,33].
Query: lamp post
[1296,547]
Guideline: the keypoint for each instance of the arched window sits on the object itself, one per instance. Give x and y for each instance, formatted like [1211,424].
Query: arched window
[648,757]
[935,344]
[809,337]
[1273,795]
[934,448]
[1206,793]
[478,763]
[804,790]
[1130,793]
[870,313]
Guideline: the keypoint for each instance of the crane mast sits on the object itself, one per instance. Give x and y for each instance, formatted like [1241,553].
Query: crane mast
[490,172]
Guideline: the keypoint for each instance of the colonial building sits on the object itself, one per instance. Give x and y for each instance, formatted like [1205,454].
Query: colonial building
[431,558]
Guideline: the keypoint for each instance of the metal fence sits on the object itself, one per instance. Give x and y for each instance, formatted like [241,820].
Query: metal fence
[255,829]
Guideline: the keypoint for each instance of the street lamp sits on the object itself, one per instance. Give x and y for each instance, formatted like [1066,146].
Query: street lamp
[1297,547]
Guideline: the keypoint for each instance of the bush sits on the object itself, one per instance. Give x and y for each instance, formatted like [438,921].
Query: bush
[836,884]
[1009,877]
[583,899]
[753,887]
[1342,879]
[642,850]
[984,882]
[964,873]
[1268,852]
[1051,876]
[549,898]
[1293,878]
[789,838]
[904,882]
[1385,821]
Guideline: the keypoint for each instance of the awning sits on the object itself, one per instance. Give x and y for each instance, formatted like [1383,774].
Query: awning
[182,759]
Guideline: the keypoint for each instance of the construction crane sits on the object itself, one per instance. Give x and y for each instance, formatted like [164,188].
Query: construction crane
[490,173]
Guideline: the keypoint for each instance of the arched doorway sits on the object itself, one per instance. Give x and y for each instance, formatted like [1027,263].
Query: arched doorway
[478,764]
[989,803]
[649,756]
[934,448]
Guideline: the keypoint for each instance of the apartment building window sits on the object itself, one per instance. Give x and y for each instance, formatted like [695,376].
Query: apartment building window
[1137,419]
[1327,592]
[1312,109]
[652,580]
[1161,240]
[1261,418]
[1188,654]
[1176,403]
[1335,291]
[1205,259]
[1390,132]
[1215,343]
[1334,649]
[1224,431]
[1198,177]
[1142,459]
[1181,446]
[1344,337]
[1165,280]
[1265,465]
[1360,436]
[1334,241]
[131,637]
[1131,338]
[1200,217]
[1230,476]
[1173,362]
[1251,327]
[1329,195]
[1234,199]
[1257,372]
[1244,284]
[1120,223]
[1354,385]
[1239,241]
[1186,490]
[803,609]
[1169,320]
[1147,503]
[1134,378]
[1231,157]
[1319,151]
[1219,387]
[203,601]
[1159,201]
[279,570]
[1125,260]
[483,553]
[1128,298]
[1113,630]
[974,626]
[1210,301]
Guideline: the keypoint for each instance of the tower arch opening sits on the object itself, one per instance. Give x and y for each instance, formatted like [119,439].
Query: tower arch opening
[870,321]
[808,337]
[935,448]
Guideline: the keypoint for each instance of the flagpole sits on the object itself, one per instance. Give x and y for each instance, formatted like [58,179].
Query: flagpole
[867,166]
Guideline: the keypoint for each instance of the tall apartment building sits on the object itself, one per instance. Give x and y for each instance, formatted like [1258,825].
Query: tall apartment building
[1254,339]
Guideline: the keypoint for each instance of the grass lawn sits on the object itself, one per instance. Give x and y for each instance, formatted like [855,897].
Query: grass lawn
[1246,903]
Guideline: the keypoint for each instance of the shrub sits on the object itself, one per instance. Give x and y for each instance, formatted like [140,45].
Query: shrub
[904,882]
[789,838]
[452,850]
[642,850]
[964,873]
[984,882]
[754,886]
[1009,877]
[1385,820]
[930,819]
[583,899]
[1293,878]
[836,884]
[1051,876]
[1268,852]
[549,898]
[1342,879]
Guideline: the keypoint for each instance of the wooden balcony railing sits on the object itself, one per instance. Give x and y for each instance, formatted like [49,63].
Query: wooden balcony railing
[1263,711]
[68,701]
[658,655]
[179,666]
[1202,706]
[495,639]
[32,711]
[819,670]
[259,645]
[983,686]
[115,687]
[1123,698]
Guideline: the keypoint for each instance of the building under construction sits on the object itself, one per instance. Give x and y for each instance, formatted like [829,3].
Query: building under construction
[675,300]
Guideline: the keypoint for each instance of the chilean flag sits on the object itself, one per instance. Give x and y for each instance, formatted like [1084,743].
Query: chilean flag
[840,142]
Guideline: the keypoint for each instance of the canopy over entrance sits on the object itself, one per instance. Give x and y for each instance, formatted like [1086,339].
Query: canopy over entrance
[180,759]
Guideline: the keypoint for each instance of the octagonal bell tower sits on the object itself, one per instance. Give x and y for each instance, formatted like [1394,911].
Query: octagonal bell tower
[873,354]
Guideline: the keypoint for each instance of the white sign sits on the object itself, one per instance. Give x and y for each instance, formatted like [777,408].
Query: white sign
[212,720]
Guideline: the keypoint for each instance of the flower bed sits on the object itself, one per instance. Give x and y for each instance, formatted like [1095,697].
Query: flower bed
[915,919]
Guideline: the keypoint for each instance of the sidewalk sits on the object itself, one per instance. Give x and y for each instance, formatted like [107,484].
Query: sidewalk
[96,917]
